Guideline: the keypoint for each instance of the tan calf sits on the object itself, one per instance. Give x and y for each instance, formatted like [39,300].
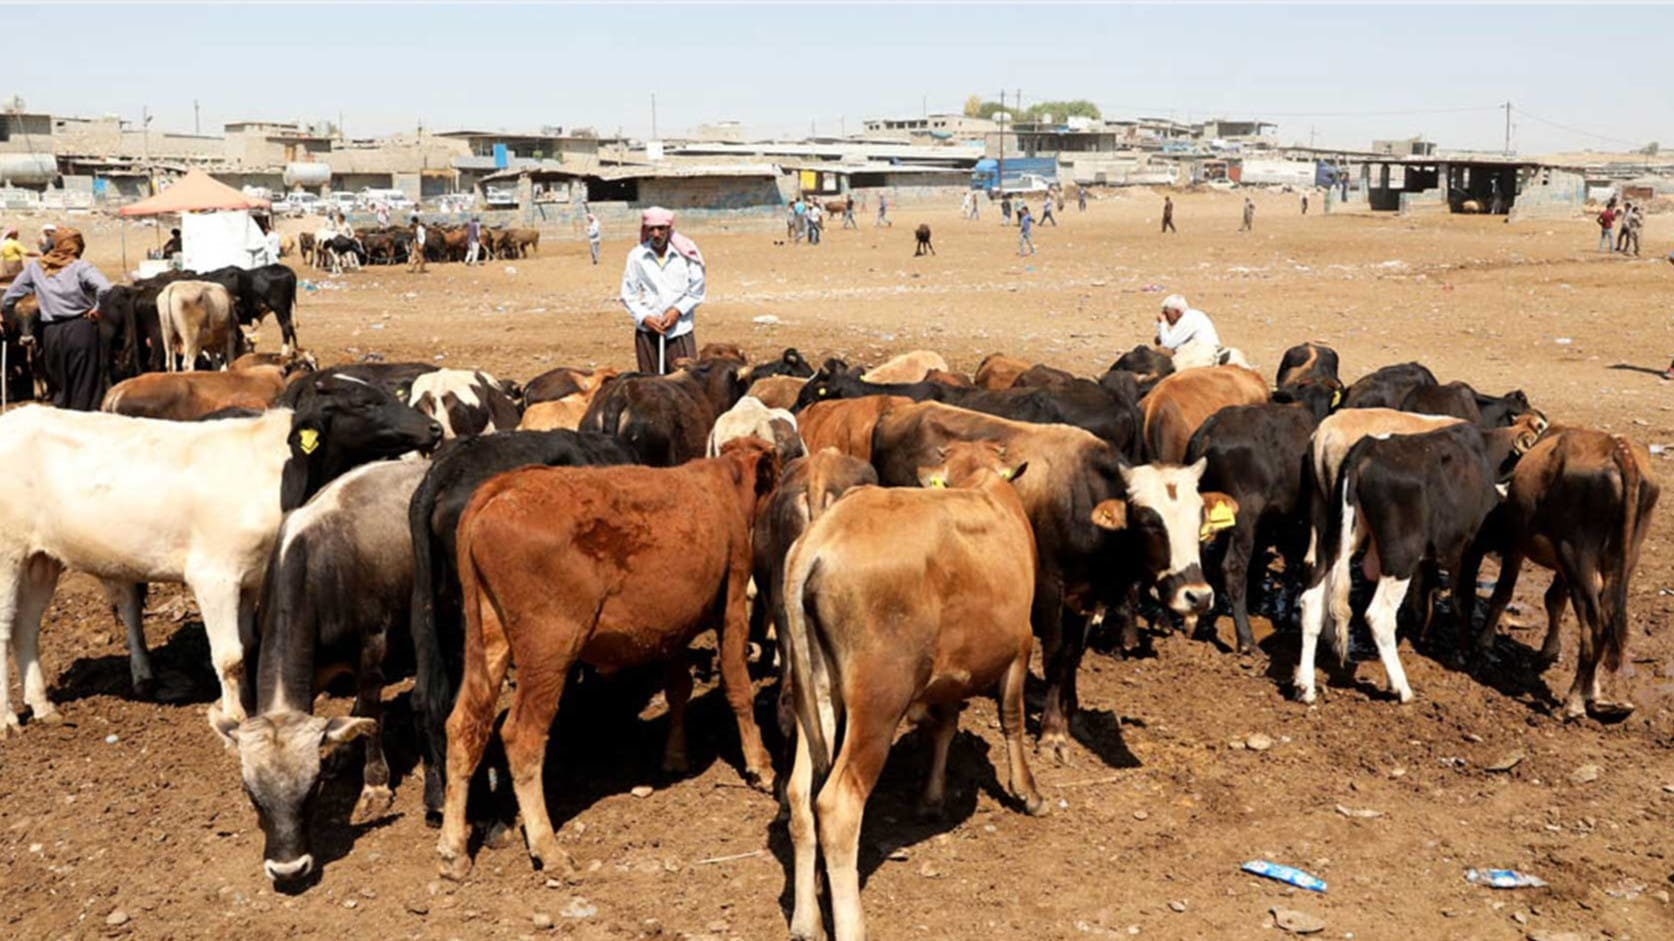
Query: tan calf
[896,601]
[908,367]
[1183,401]
[845,424]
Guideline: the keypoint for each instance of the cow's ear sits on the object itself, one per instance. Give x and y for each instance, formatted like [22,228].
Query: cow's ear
[343,729]
[1219,512]
[1013,473]
[767,472]
[1111,515]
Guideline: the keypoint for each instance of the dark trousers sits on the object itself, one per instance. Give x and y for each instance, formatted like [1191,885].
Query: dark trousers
[1168,224]
[75,359]
[645,350]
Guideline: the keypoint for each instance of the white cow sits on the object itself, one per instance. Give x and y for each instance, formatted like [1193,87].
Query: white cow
[135,500]
[751,418]
[464,402]
[197,316]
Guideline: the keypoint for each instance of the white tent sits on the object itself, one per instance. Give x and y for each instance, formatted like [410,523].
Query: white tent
[215,225]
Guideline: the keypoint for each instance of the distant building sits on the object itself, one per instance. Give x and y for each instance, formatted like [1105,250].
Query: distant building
[731,132]
[1237,132]
[1405,147]
[930,126]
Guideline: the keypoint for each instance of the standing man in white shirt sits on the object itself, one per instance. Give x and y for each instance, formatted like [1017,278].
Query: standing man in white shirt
[593,236]
[662,286]
[1187,333]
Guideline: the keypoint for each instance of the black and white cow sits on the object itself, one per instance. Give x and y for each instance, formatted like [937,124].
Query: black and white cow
[464,402]
[136,500]
[339,579]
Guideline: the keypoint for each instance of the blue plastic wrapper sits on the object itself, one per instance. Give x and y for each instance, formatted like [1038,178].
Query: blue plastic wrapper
[1289,874]
[1503,879]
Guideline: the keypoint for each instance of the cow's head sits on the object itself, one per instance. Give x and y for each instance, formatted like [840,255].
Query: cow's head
[339,422]
[968,464]
[792,364]
[1166,517]
[755,470]
[1318,396]
[279,762]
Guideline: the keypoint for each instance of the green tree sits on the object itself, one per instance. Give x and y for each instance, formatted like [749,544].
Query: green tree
[1650,150]
[973,106]
[1078,108]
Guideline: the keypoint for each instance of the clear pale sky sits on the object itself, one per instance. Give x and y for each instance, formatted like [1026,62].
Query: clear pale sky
[781,69]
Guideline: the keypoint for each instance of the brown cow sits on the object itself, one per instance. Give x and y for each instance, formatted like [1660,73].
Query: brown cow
[1580,504]
[908,367]
[1181,402]
[666,419]
[999,371]
[778,391]
[807,489]
[922,233]
[519,243]
[188,396]
[565,381]
[613,567]
[900,601]
[947,378]
[730,351]
[845,424]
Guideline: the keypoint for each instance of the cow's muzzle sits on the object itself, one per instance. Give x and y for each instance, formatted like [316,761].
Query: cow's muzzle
[297,868]
[1186,592]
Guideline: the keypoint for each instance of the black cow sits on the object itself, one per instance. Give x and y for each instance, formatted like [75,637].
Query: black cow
[1041,375]
[1420,501]
[257,291]
[789,363]
[1257,454]
[1454,398]
[1147,364]
[438,632]
[1387,387]
[394,378]
[665,420]
[1306,362]
[338,581]
[1501,411]
[1079,402]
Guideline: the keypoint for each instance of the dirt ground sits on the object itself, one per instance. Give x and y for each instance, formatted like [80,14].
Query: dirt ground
[135,808]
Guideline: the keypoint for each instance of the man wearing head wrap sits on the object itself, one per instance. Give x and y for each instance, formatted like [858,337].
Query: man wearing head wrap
[69,291]
[49,235]
[1188,333]
[662,286]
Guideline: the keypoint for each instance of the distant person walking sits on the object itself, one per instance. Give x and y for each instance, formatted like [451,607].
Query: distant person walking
[800,210]
[415,251]
[383,216]
[662,286]
[1005,209]
[1606,223]
[883,212]
[1304,204]
[816,222]
[1631,224]
[1025,231]
[12,254]
[473,241]
[1168,216]
[1046,213]
[1249,216]
[1080,198]
[593,236]
[1622,227]
[848,212]
[967,206]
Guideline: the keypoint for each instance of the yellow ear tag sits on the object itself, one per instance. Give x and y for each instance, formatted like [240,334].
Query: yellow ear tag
[1219,517]
[1005,473]
[938,481]
[1336,396]
[308,440]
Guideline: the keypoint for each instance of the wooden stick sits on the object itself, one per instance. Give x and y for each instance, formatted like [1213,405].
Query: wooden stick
[1112,779]
[728,859]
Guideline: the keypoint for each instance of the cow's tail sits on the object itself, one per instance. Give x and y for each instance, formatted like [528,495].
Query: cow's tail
[432,683]
[810,684]
[1614,641]
[1341,536]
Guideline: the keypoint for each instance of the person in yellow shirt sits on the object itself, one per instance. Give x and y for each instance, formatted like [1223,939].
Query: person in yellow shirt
[12,254]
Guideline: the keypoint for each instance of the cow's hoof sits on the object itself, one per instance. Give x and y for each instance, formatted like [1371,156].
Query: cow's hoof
[374,803]
[1606,710]
[676,764]
[1306,695]
[815,932]
[49,717]
[1036,806]
[499,835]
[1403,695]
[453,866]
[927,811]
[145,690]
[1054,745]
[552,859]
[9,727]
[1544,661]
[762,779]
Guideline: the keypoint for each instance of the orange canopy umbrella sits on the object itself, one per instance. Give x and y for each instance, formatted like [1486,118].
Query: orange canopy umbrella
[197,191]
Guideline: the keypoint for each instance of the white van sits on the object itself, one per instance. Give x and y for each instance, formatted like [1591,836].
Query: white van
[395,200]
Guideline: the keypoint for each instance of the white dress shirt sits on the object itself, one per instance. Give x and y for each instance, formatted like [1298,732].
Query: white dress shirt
[651,285]
[1193,326]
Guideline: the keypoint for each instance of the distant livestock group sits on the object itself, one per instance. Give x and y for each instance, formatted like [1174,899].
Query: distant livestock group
[894,540]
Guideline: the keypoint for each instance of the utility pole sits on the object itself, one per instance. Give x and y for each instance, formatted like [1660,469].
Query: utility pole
[1508,129]
[1310,137]
[197,127]
[1000,171]
[653,115]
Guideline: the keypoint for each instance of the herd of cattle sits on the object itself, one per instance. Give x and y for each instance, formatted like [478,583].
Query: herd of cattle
[390,245]
[903,534]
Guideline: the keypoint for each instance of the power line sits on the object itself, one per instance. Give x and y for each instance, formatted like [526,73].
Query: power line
[1576,130]
[1312,114]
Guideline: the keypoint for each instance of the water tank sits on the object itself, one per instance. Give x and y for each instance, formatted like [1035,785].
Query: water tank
[28,168]
[307,174]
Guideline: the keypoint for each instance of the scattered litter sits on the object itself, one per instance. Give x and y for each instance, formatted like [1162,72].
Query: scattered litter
[728,859]
[1178,905]
[511,269]
[1657,448]
[377,326]
[579,907]
[766,320]
[1563,341]
[112,739]
[643,790]
[1586,774]
[1507,763]
[1286,874]
[1361,813]
[1151,289]
[1503,879]
[1297,922]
